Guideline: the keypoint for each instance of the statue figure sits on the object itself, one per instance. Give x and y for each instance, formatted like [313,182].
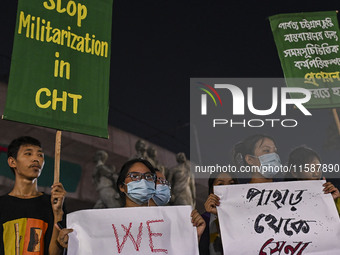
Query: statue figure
[140,147]
[152,158]
[105,179]
[182,182]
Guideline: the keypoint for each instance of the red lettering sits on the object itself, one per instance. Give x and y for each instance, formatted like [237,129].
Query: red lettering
[272,251]
[292,249]
[135,243]
[281,245]
[151,234]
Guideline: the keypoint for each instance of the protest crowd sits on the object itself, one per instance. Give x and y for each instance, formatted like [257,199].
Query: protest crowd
[60,79]
[140,184]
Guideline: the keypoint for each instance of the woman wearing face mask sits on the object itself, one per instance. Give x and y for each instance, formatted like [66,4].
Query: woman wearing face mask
[310,161]
[211,243]
[136,183]
[258,153]
[137,186]
[163,190]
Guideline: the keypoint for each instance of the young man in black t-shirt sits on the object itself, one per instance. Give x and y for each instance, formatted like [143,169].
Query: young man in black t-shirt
[27,216]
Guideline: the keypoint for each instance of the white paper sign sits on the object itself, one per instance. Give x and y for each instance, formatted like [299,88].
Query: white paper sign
[294,218]
[132,231]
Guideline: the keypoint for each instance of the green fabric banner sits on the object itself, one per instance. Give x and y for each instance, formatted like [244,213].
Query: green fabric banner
[60,66]
[308,47]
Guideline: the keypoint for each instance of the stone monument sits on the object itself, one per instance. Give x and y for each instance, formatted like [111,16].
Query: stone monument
[182,182]
[105,179]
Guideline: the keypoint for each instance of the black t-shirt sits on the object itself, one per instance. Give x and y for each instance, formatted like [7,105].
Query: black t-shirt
[26,225]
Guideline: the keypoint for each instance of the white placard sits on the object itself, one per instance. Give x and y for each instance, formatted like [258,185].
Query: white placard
[139,230]
[294,218]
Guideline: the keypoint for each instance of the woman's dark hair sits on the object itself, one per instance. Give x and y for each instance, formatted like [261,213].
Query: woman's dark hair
[247,146]
[125,169]
[214,176]
[299,157]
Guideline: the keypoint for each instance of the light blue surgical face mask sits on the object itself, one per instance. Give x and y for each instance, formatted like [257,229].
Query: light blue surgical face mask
[141,191]
[163,194]
[270,165]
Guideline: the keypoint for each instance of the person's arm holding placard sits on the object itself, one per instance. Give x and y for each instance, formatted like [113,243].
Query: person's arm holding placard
[198,222]
[58,194]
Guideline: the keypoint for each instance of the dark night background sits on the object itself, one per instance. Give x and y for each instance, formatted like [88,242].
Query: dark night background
[158,45]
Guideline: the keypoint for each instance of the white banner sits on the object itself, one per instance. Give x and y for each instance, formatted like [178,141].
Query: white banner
[294,218]
[139,230]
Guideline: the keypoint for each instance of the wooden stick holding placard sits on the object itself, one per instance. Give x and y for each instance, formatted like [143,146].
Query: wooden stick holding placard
[57,157]
[336,118]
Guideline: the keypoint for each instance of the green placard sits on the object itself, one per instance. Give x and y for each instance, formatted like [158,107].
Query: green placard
[60,66]
[308,47]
